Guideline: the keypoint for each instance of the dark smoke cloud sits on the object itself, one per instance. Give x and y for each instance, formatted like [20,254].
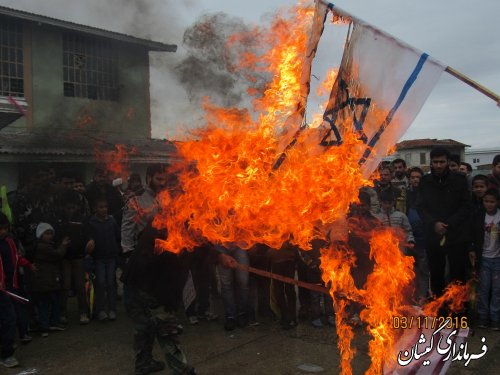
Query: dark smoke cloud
[210,65]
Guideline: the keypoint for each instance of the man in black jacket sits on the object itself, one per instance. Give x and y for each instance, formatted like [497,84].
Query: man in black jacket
[444,205]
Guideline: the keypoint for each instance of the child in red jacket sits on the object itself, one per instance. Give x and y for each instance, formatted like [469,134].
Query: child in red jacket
[10,261]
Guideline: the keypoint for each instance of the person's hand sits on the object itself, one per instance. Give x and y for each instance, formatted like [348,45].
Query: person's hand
[228,261]
[440,228]
[472,258]
[66,241]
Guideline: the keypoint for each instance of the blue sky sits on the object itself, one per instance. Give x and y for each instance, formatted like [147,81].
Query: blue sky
[461,34]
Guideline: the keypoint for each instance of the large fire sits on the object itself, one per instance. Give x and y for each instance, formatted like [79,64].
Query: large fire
[231,194]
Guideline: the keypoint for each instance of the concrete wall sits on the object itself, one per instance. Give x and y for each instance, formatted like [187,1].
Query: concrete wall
[9,175]
[50,110]
[412,156]
[480,157]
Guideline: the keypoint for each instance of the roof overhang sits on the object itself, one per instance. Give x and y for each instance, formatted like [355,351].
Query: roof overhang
[39,19]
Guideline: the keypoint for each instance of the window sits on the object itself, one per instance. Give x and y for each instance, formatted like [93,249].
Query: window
[422,158]
[11,57]
[475,160]
[90,67]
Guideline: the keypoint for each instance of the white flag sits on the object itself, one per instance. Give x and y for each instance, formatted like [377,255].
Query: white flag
[381,86]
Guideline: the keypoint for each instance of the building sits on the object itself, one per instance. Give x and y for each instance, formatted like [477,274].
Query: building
[481,158]
[416,152]
[69,93]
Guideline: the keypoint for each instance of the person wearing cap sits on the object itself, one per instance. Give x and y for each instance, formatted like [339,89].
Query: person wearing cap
[47,280]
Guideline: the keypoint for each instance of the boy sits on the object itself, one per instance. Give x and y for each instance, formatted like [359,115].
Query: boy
[104,247]
[389,217]
[486,249]
[47,278]
[479,187]
[417,225]
[9,263]
[72,224]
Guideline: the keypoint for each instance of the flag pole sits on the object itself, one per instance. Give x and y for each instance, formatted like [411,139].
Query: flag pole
[462,77]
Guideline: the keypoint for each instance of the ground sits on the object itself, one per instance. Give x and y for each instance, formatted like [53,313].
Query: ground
[105,348]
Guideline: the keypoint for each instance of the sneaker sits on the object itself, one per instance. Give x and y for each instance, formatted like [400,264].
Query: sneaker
[153,366]
[57,327]
[44,334]
[193,320]
[482,323]
[230,324]
[253,323]
[495,326]
[10,362]
[209,316]
[84,319]
[25,339]
[102,316]
[317,323]
[169,329]
[331,321]
[112,315]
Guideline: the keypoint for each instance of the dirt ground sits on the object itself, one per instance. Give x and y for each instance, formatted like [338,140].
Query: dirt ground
[106,348]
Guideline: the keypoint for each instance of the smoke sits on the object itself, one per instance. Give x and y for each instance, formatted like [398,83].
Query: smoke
[204,64]
[149,19]
[209,64]
[209,68]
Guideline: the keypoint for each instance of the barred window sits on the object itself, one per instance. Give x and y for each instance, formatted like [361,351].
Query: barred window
[11,57]
[89,67]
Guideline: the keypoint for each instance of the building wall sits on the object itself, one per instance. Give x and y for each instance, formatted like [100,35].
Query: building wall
[413,156]
[50,110]
[9,175]
[480,157]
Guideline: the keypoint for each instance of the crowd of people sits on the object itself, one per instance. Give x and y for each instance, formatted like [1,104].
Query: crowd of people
[62,237]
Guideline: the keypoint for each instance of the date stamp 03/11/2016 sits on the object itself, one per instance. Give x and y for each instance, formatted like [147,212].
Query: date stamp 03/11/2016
[429,322]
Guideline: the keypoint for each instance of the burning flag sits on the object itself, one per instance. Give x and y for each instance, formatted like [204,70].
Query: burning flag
[381,86]
[260,176]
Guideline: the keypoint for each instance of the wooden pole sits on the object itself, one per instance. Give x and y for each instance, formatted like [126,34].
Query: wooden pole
[473,84]
[288,280]
[483,90]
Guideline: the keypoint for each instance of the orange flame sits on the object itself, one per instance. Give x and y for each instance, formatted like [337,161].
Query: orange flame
[384,296]
[382,299]
[455,296]
[115,161]
[231,195]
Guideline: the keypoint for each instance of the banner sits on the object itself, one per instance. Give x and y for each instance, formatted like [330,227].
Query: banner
[381,86]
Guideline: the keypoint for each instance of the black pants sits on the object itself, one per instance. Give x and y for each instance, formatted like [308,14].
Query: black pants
[285,293]
[457,259]
[7,326]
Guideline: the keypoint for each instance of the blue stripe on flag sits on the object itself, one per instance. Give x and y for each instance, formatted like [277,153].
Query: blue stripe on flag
[411,80]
